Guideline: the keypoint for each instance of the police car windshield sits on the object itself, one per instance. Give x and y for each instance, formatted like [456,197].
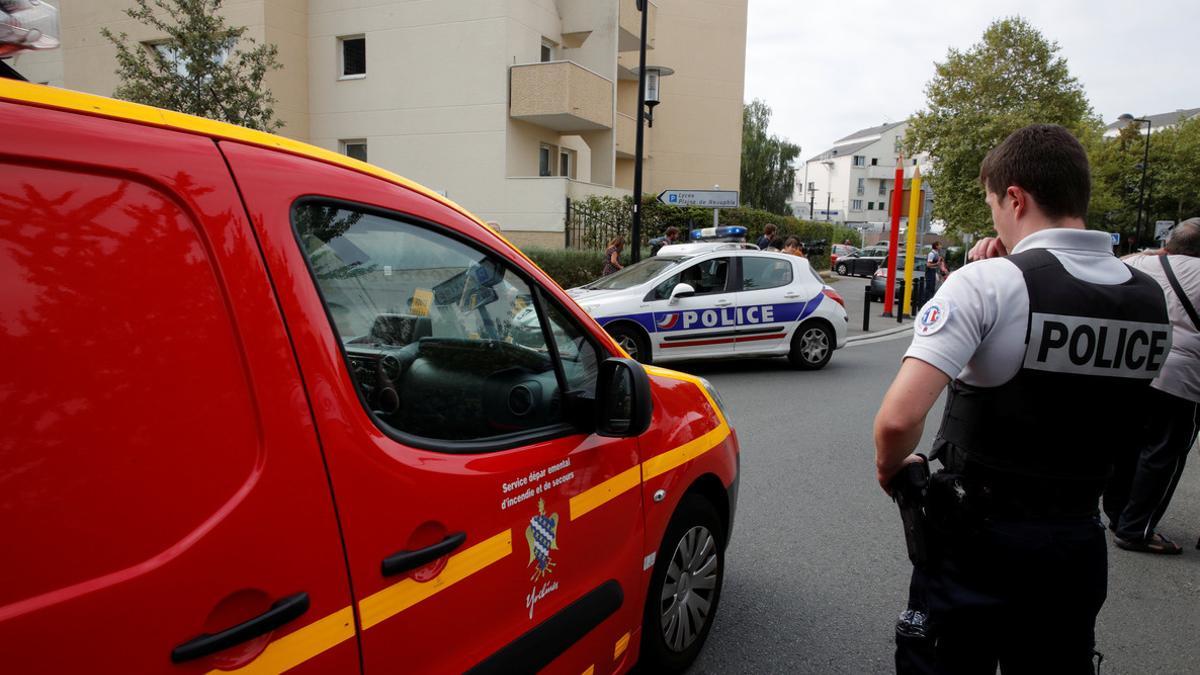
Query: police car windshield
[635,274]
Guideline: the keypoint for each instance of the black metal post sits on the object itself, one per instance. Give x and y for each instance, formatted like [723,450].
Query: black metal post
[812,204]
[900,305]
[867,308]
[635,254]
[1142,186]
[828,197]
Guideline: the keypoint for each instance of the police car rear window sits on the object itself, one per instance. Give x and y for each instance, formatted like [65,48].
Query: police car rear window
[634,275]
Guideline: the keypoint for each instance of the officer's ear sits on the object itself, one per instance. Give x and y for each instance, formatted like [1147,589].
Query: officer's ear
[1020,200]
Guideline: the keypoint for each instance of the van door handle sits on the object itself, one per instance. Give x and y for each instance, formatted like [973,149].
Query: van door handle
[408,560]
[281,612]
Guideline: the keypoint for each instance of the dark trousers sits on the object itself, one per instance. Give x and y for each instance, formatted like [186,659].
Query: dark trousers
[1144,477]
[1020,595]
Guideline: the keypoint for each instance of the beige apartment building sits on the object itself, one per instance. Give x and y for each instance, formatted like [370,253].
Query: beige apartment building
[509,107]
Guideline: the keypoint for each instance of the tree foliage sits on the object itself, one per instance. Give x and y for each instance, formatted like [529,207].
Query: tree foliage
[767,172]
[203,67]
[1172,179]
[1013,77]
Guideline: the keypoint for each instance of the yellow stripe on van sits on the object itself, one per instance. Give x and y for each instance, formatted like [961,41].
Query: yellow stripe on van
[297,647]
[600,494]
[660,464]
[384,604]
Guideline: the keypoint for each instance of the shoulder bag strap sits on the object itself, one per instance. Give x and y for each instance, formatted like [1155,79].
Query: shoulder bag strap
[1183,298]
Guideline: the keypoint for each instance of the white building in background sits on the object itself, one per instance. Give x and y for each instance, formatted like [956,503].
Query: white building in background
[1157,122]
[852,182]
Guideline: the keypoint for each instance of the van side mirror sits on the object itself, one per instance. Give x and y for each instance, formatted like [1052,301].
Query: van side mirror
[682,291]
[623,403]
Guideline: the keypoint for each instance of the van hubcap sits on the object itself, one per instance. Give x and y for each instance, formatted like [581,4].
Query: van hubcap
[688,588]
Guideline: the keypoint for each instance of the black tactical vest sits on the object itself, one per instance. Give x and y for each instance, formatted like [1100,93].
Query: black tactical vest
[1050,433]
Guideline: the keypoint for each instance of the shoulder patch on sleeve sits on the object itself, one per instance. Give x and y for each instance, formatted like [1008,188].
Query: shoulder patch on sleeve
[934,315]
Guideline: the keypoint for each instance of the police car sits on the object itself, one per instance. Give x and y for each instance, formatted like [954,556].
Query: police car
[722,299]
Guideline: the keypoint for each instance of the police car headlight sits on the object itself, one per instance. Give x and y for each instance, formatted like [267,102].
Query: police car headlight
[716,397]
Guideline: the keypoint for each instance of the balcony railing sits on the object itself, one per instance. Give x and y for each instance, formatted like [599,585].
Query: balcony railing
[560,95]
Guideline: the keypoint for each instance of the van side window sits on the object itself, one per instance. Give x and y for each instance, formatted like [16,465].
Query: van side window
[443,341]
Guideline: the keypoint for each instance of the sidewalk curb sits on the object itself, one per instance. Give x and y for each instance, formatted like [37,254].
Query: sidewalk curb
[880,333]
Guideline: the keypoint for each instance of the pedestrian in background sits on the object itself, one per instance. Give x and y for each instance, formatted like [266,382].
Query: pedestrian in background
[793,247]
[933,266]
[1145,477]
[1017,565]
[612,256]
[768,234]
[669,237]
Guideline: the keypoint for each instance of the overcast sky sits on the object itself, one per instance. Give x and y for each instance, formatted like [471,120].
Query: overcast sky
[828,68]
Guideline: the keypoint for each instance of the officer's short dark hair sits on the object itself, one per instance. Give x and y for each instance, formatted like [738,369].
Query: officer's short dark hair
[1185,238]
[1046,161]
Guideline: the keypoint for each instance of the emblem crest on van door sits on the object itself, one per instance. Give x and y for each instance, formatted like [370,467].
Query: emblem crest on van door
[542,537]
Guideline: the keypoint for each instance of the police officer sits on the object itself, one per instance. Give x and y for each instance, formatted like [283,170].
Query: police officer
[1041,348]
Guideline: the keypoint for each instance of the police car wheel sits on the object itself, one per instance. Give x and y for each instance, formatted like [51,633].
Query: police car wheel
[633,342]
[685,588]
[841,270]
[812,346]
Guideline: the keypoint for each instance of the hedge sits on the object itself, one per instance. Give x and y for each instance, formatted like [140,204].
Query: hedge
[570,267]
[612,215]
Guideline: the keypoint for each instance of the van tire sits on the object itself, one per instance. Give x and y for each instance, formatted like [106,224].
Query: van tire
[812,346]
[628,336]
[671,648]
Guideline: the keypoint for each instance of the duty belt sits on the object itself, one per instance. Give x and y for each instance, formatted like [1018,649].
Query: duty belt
[999,494]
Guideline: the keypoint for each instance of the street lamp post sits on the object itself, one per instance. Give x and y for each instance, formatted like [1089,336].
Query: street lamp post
[1128,119]
[648,97]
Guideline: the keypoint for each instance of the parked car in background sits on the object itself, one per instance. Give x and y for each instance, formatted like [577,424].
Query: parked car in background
[840,251]
[863,262]
[879,279]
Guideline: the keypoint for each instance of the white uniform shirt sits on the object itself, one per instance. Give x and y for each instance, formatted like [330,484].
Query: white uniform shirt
[1181,374]
[974,327]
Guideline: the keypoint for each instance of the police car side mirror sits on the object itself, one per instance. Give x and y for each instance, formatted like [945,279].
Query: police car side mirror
[682,291]
[624,406]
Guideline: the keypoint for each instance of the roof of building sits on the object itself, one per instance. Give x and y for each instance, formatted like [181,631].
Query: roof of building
[849,144]
[1161,120]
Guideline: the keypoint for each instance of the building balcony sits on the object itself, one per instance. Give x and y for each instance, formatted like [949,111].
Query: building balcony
[630,23]
[560,95]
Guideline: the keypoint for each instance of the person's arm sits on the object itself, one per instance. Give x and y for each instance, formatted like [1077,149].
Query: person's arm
[615,259]
[901,418]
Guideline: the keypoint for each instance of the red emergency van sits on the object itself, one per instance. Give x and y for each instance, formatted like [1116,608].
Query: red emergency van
[268,408]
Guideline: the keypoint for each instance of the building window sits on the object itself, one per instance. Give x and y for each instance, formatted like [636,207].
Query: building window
[547,50]
[914,161]
[870,206]
[812,185]
[356,148]
[882,188]
[171,55]
[896,144]
[874,161]
[353,51]
[862,186]
[860,160]
[544,165]
[566,163]
[856,205]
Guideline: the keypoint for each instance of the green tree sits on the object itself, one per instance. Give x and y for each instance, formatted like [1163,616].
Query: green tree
[1013,77]
[767,172]
[1175,188]
[203,66]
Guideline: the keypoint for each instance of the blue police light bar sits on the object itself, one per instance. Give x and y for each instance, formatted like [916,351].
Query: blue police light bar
[725,233]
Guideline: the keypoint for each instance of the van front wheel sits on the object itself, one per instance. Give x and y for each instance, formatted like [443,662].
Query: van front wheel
[684,589]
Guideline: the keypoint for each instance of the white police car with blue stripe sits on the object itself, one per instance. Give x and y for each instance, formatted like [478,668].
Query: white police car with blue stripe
[719,300]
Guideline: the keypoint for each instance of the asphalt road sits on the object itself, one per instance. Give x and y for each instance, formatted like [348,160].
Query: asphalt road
[816,570]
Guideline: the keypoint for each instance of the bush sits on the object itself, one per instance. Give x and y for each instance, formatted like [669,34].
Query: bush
[570,267]
[607,216]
